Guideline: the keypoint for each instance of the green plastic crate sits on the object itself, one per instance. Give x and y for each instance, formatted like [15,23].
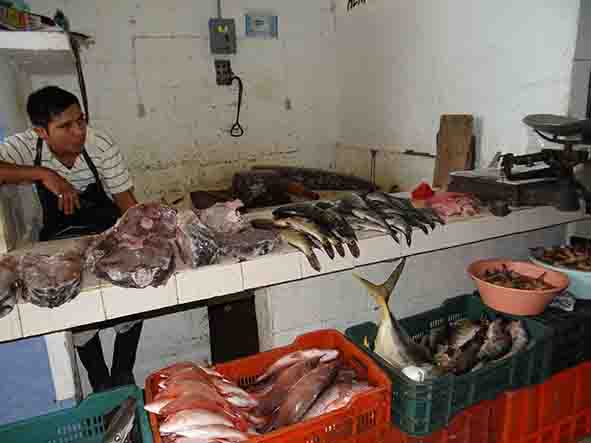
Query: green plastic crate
[422,408]
[81,424]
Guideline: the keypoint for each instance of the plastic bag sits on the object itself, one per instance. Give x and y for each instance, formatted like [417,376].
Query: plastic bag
[248,243]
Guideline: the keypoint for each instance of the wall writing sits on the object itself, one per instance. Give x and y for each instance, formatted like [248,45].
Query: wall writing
[354,3]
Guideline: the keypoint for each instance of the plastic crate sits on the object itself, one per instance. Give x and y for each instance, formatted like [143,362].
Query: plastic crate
[528,411]
[422,408]
[364,420]
[571,333]
[81,424]
[469,426]
[569,430]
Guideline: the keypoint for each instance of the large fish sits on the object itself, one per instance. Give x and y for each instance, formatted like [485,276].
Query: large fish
[519,336]
[310,228]
[192,418]
[292,358]
[120,425]
[303,394]
[392,343]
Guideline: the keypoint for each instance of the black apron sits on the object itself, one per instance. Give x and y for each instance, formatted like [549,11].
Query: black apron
[97,211]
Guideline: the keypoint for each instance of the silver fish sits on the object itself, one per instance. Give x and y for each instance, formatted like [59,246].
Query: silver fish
[310,228]
[120,426]
[519,337]
[392,343]
[497,342]
[300,241]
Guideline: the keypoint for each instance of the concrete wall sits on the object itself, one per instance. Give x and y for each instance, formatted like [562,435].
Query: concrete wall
[151,83]
[339,301]
[403,64]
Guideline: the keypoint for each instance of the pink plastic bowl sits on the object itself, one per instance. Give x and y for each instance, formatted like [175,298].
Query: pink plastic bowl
[517,301]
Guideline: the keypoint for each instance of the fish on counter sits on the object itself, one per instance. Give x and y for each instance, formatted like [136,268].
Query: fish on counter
[138,251]
[9,275]
[301,242]
[452,347]
[51,280]
[195,244]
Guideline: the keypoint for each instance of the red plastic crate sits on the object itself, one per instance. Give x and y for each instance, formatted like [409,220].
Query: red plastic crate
[539,409]
[569,430]
[469,426]
[365,420]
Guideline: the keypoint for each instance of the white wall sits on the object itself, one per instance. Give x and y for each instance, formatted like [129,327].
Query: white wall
[155,55]
[403,64]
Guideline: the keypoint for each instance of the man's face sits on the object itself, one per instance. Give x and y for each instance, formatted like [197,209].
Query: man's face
[66,133]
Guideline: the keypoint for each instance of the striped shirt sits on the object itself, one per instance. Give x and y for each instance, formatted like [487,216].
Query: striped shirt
[21,149]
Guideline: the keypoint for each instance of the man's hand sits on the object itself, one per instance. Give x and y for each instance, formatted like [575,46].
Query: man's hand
[67,195]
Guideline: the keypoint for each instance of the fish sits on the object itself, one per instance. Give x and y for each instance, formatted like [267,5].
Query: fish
[310,228]
[392,343]
[300,241]
[335,397]
[120,426]
[270,400]
[9,282]
[338,223]
[463,331]
[468,355]
[497,342]
[214,432]
[49,281]
[193,418]
[303,394]
[519,338]
[375,217]
[287,360]
[366,225]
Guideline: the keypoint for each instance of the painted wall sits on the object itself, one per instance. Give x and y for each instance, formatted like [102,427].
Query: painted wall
[403,64]
[151,83]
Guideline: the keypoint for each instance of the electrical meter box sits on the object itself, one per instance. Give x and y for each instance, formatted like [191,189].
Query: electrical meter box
[222,35]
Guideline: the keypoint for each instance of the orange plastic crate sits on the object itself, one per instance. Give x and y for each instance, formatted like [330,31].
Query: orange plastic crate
[539,409]
[472,425]
[365,420]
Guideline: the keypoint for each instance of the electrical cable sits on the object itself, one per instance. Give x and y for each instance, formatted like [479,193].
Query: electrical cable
[237,130]
[219,8]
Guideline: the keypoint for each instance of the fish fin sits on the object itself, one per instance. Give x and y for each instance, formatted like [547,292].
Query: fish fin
[374,290]
[313,260]
[388,285]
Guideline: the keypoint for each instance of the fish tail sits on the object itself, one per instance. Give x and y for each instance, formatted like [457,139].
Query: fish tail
[328,249]
[313,260]
[353,248]
[340,249]
[388,285]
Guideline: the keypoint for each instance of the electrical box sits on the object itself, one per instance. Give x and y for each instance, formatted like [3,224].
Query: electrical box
[261,25]
[222,36]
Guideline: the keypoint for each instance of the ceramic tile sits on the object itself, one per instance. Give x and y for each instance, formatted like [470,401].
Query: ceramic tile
[85,309]
[209,281]
[272,269]
[120,302]
[10,326]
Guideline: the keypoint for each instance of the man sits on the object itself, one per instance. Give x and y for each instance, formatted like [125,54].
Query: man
[83,186]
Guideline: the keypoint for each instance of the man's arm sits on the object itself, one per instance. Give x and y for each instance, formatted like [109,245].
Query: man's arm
[15,174]
[125,200]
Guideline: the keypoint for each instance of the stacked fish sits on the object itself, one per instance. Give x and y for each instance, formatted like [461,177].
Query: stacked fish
[456,348]
[195,403]
[328,225]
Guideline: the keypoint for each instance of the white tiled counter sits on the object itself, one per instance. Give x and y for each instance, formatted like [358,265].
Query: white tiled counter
[100,302]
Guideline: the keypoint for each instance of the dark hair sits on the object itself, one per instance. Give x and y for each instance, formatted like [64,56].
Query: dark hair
[47,103]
